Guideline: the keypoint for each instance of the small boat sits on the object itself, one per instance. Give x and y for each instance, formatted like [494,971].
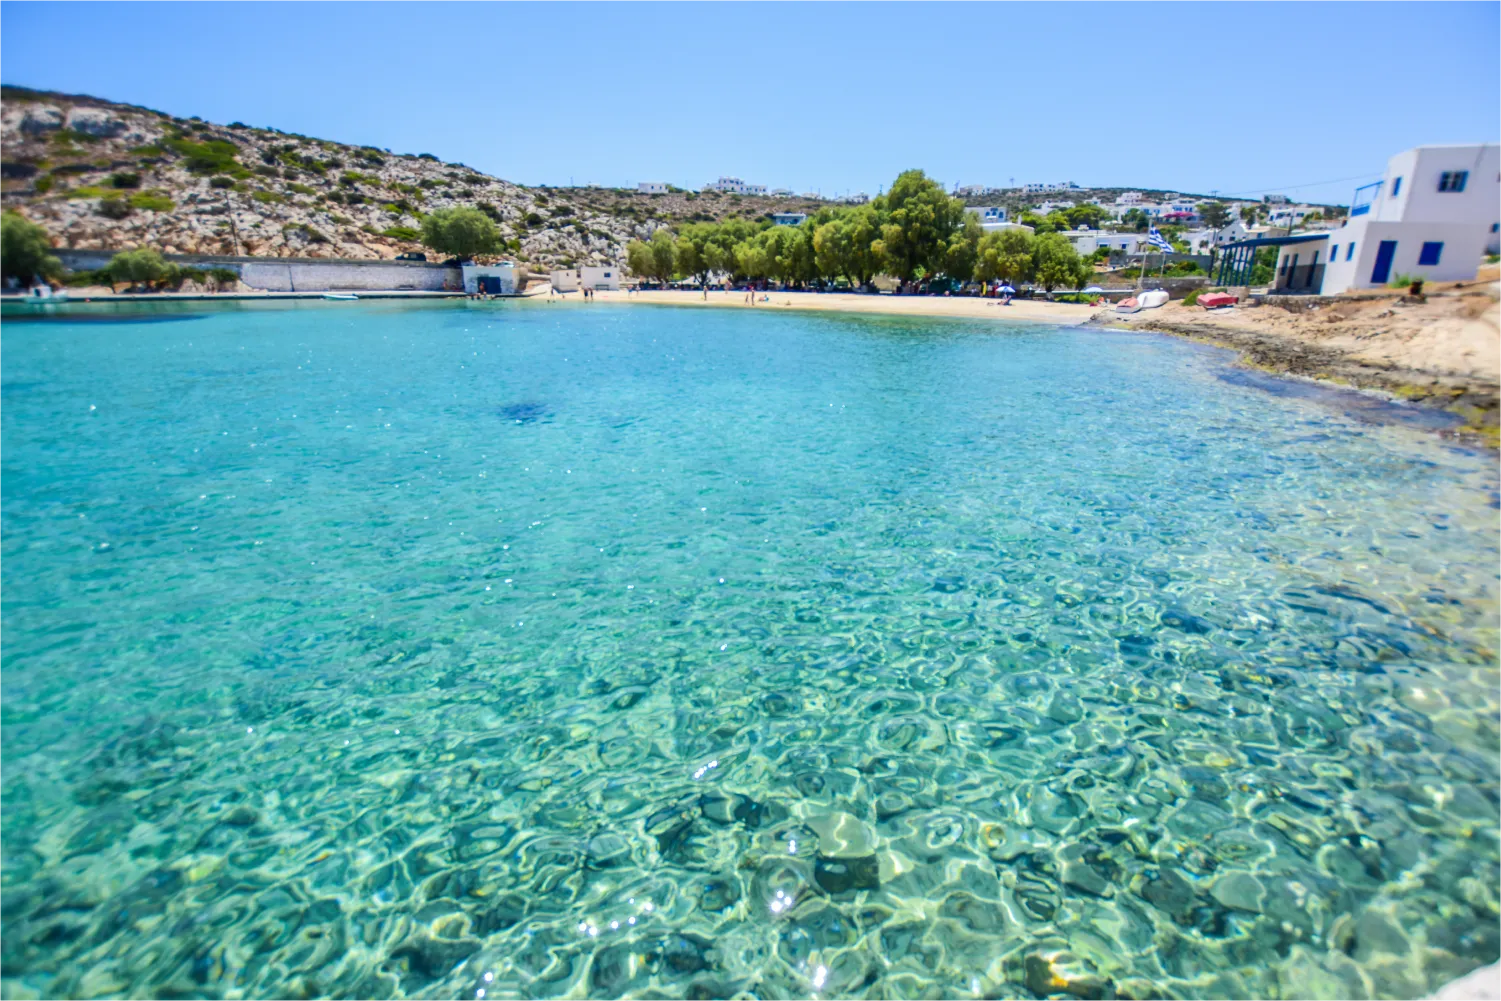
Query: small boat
[45,295]
[1217,300]
[1152,299]
[342,296]
[1130,305]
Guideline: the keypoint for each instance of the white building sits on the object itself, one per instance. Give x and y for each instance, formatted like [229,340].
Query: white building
[788,218]
[735,186]
[652,187]
[989,215]
[1128,198]
[1047,207]
[1431,216]
[1289,215]
[493,279]
[1087,241]
[781,192]
[564,281]
[605,278]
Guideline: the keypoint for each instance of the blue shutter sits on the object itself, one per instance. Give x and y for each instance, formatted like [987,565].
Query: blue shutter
[1430,254]
[1396,187]
[1350,254]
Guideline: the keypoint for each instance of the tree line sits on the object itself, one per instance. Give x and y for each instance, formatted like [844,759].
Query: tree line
[915,232]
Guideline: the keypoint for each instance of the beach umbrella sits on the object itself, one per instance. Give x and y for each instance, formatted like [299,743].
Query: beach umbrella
[1006,290]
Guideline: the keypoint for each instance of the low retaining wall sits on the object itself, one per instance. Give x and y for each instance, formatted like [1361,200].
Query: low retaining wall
[301,274]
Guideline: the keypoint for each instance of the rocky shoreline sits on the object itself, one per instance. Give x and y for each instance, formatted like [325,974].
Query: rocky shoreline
[1440,353]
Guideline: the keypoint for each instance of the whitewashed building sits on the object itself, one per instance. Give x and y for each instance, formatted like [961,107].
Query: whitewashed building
[606,278]
[1087,241]
[735,186]
[990,215]
[1431,216]
[652,187]
[491,279]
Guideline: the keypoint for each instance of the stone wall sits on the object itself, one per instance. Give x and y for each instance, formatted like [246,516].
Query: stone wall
[301,274]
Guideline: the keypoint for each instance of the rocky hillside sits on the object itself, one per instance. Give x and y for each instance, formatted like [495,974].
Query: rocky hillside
[98,174]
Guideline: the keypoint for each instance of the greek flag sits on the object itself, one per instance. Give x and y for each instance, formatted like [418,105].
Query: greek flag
[1157,240]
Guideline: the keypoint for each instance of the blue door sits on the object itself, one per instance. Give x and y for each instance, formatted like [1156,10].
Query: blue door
[1383,269]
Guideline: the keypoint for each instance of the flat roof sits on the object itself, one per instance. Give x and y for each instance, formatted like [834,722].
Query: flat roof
[1277,241]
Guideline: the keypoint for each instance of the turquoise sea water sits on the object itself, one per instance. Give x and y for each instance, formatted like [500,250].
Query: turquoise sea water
[513,650]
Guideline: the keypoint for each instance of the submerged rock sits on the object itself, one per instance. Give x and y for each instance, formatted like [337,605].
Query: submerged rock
[841,875]
[1056,971]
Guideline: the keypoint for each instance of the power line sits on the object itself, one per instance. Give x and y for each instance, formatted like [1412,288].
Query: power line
[1295,187]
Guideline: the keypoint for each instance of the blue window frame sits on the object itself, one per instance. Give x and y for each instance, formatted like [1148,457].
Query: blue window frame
[1453,180]
[1396,187]
[1334,253]
[1350,254]
[1430,253]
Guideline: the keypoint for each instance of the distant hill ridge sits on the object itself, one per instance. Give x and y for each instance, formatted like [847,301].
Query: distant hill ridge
[100,174]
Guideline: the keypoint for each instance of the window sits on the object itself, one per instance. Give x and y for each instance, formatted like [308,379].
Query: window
[1495,226]
[1334,253]
[1430,253]
[1453,180]
[1350,254]
[1396,187]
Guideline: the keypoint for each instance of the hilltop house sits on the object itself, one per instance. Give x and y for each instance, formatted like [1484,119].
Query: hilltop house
[652,187]
[735,186]
[788,218]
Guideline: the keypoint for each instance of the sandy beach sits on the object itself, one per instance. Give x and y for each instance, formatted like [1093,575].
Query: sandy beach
[894,305]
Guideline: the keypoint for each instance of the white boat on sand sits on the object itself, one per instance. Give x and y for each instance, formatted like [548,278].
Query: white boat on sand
[1152,299]
[340,295]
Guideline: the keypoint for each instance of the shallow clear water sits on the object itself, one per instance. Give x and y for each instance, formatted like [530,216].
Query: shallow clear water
[426,650]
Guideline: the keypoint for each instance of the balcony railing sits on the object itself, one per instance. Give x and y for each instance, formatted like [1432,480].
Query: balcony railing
[1364,198]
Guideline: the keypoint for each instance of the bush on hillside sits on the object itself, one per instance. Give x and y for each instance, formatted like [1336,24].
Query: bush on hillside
[125,179]
[114,208]
[151,201]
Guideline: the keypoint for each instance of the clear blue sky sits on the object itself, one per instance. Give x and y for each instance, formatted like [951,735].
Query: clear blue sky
[1236,97]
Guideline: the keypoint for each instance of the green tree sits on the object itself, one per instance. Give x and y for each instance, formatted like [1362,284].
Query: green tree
[1057,222]
[1136,220]
[1250,213]
[1004,255]
[1086,215]
[25,252]
[664,256]
[720,243]
[962,252]
[693,251]
[751,260]
[638,259]
[138,266]
[1216,215]
[461,232]
[920,220]
[845,245]
[1056,263]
